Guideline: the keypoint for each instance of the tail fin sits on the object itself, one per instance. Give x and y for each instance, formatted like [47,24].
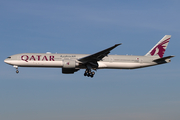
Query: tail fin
[160,47]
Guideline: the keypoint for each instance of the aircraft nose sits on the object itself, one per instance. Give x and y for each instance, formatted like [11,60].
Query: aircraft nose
[7,61]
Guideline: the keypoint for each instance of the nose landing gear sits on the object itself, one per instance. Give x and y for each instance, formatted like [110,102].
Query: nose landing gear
[17,71]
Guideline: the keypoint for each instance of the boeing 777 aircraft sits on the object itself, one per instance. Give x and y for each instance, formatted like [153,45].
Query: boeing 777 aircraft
[71,63]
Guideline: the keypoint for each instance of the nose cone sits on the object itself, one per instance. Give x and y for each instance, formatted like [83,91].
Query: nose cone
[7,61]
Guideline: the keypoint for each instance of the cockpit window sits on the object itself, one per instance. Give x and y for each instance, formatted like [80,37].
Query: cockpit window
[8,57]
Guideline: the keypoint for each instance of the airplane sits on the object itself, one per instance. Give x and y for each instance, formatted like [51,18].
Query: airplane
[71,63]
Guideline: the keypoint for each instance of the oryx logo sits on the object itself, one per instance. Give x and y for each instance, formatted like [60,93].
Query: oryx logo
[160,48]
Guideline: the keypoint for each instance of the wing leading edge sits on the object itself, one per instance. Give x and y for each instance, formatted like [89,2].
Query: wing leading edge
[98,56]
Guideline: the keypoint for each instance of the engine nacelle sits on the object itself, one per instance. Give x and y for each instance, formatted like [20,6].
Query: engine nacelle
[69,64]
[69,67]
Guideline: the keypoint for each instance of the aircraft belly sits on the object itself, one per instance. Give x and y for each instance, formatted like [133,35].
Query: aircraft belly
[123,65]
[36,63]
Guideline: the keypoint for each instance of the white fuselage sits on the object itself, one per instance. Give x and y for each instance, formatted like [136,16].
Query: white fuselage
[71,63]
[57,60]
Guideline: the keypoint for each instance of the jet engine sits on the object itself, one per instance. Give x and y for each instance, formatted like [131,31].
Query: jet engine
[69,66]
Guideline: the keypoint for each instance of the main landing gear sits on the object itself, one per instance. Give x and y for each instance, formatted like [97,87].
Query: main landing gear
[89,73]
[17,71]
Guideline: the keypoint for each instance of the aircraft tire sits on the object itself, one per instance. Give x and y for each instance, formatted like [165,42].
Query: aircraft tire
[92,76]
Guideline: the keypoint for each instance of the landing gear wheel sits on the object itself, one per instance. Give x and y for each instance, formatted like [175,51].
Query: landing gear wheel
[86,73]
[89,73]
[17,71]
[92,75]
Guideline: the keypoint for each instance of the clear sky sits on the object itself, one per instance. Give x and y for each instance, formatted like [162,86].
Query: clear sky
[88,26]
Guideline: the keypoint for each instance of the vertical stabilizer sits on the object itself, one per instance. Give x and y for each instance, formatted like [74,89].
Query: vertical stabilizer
[160,47]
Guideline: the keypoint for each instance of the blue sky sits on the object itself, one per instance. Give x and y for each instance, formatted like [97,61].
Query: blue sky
[89,26]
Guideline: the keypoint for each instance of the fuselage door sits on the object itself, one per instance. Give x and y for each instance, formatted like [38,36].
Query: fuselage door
[139,60]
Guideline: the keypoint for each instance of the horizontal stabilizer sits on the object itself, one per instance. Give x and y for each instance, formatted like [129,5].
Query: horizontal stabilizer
[164,58]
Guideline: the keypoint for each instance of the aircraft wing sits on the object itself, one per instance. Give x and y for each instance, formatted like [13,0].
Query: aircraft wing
[98,56]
